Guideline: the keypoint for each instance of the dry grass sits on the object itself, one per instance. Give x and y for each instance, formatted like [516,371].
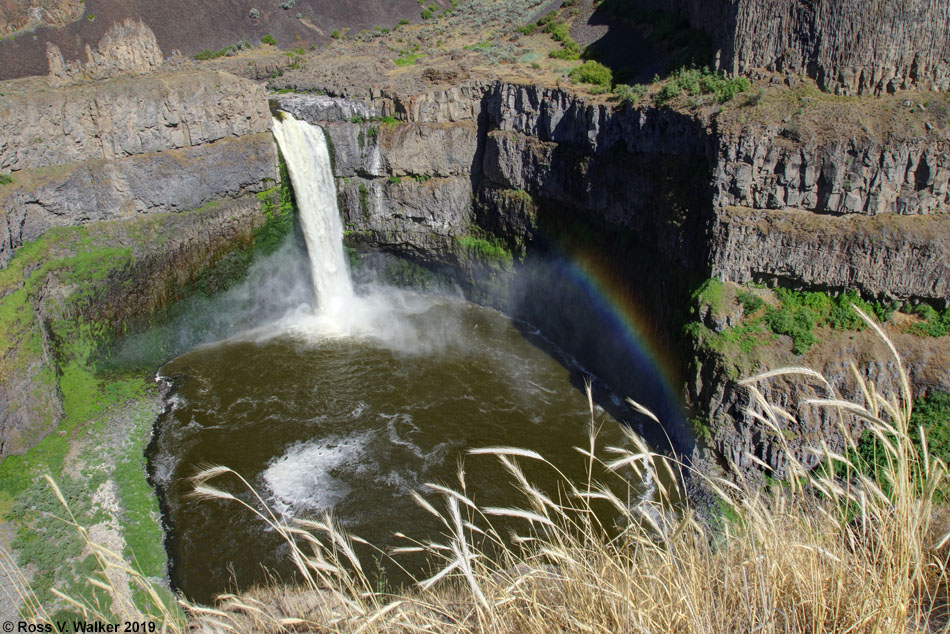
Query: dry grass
[824,554]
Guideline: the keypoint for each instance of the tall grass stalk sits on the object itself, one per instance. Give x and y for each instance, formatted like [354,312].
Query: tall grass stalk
[827,553]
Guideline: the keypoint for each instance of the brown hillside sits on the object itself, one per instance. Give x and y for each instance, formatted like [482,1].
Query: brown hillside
[191,26]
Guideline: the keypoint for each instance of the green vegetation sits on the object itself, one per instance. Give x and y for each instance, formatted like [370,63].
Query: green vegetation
[630,95]
[226,51]
[487,248]
[5,179]
[934,324]
[269,39]
[395,180]
[795,314]
[335,34]
[591,72]
[701,81]
[364,201]
[931,415]
[408,58]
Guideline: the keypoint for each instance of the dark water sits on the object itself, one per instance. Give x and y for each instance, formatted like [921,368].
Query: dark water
[322,421]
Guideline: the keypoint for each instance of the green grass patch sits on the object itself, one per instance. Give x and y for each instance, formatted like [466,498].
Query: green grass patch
[5,179]
[408,59]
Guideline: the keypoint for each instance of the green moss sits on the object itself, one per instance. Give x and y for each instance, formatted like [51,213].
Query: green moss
[711,293]
[487,249]
[364,201]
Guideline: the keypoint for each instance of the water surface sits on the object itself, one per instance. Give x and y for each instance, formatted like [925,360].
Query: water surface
[319,420]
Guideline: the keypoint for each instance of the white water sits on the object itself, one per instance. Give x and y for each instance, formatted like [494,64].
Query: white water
[395,318]
[308,161]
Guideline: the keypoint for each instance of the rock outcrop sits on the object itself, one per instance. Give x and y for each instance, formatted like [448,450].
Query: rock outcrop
[23,16]
[848,46]
[129,146]
[129,47]
[168,173]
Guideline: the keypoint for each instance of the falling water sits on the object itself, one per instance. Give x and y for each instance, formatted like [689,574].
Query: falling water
[308,161]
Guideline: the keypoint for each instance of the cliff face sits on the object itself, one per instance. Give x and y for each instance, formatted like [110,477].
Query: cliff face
[96,171]
[531,166]
[129,47]
[116,149]
[848,46]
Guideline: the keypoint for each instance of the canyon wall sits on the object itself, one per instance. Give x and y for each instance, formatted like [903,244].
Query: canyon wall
[527,166]
[848,46]
[113,150]
[123,194]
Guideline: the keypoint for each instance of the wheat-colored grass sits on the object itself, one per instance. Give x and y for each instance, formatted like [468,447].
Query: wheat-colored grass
[848,553]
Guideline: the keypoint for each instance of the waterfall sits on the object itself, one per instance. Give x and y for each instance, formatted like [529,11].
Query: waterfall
[308,162]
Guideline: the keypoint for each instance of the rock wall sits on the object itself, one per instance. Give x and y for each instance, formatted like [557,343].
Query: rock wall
[738,203]
[129,47]
[849,46]
[161,171]
[760,168]
[79,290]
[115,149]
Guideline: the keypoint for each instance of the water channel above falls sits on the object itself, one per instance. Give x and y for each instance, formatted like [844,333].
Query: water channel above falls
[350,404]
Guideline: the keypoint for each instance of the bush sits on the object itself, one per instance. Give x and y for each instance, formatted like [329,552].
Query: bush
[668,92]
[254,14]
[335,34]
[591,72]
[288,5]
[630,95]
[426,14]
[566,53]
[269,39]
[702,81]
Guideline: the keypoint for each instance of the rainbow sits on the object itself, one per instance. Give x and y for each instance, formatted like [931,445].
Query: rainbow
[633,333]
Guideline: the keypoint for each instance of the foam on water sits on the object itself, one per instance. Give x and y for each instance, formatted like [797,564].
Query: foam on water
[303,480]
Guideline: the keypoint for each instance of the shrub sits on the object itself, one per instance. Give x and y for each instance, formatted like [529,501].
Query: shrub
[668,92]
[426,14]
[591,72]
[254,14]
[750,303]
[269,39]
[288,5]
[566,53]
[5,179]
[403,22]
[335,34]
[630,95]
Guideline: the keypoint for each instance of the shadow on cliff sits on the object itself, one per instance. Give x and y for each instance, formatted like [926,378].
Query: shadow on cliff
[638,44]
